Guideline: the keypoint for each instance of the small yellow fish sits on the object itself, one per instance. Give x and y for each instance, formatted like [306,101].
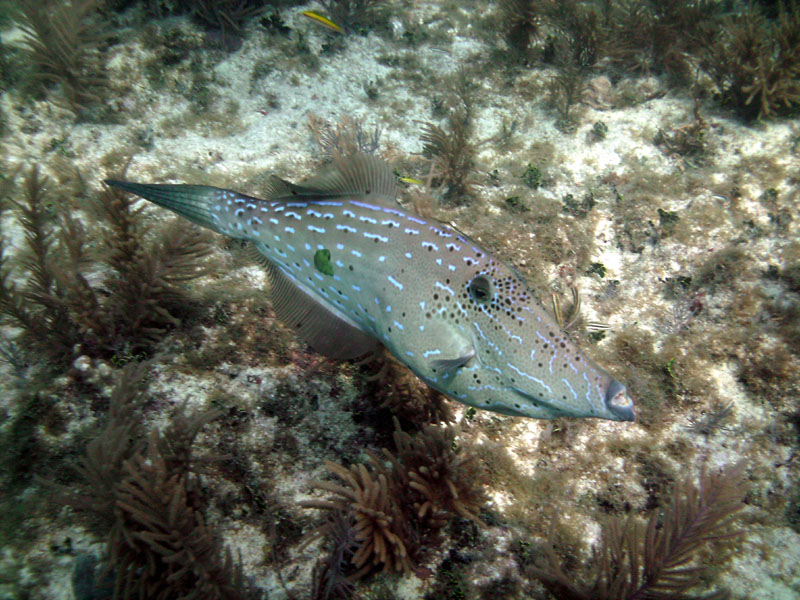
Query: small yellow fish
[322,20]
[409,180]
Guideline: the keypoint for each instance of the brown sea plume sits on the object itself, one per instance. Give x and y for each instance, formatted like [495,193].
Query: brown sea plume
[658,559]
[397,504]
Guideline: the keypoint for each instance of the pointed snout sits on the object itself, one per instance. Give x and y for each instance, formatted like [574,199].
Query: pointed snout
[619,403]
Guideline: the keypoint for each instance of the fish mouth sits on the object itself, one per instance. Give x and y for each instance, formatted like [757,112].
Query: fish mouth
[618,403]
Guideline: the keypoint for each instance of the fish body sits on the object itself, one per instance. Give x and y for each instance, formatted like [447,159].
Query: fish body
[351,268]
[322,20]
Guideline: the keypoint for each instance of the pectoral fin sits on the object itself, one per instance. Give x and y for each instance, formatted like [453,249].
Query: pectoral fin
[450,365]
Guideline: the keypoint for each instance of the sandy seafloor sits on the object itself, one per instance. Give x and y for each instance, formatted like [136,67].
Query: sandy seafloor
[259,125]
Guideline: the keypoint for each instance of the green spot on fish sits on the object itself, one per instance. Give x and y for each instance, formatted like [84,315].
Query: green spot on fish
[322,261]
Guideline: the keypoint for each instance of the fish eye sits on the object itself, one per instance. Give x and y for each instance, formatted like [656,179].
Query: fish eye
[480,289]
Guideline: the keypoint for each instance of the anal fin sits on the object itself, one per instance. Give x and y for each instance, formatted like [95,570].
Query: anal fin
[324,329]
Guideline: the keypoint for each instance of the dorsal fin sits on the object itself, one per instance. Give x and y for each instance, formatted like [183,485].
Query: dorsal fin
[362,176]
[279,189]
[327,331]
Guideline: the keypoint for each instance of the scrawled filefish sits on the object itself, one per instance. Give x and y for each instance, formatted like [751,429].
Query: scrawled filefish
[350,268]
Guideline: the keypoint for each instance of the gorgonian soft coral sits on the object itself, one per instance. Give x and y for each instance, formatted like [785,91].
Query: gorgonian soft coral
[755,61]
[149,505]
[658,560]
[46,290]
[381,529]
[62,46]
[446,477]
[398,505]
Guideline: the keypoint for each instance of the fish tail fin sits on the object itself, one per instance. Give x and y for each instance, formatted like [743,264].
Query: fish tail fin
[200,204]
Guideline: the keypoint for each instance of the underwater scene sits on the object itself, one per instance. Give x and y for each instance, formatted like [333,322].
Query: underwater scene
[399,300]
